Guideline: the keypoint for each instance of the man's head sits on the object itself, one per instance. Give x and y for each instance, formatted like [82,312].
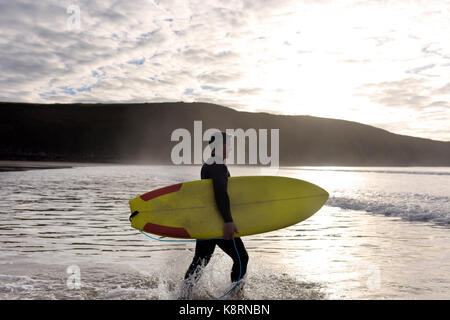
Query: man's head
[220,141]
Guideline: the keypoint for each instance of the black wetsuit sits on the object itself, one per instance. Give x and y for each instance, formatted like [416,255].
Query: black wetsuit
[205,248]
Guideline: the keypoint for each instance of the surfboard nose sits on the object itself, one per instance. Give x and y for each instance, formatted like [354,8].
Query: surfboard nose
[322,193]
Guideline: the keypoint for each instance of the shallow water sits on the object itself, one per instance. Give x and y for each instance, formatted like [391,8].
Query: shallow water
[384,234]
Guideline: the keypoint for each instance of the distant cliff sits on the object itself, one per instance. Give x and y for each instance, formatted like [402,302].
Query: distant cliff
[141,133]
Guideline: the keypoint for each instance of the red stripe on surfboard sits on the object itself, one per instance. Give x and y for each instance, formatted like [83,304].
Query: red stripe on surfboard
[159,192]
[166,231]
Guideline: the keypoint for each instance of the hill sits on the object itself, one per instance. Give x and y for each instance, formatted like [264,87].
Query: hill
[131,133]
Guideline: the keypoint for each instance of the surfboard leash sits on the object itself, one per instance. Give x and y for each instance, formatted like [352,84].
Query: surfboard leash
[188,240]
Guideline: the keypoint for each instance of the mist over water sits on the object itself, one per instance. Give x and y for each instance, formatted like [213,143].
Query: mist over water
[384,233]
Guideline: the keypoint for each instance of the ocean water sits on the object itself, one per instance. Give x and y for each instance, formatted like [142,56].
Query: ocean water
[383,234]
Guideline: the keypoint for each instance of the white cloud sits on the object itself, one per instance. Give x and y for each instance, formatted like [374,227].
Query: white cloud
[376,62]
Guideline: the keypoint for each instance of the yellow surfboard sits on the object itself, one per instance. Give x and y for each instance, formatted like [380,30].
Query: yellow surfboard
[258,204]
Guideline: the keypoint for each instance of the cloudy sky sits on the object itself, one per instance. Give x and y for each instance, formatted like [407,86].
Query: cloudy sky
[383,63]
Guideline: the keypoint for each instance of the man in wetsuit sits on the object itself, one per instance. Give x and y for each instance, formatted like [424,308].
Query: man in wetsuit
[215,169]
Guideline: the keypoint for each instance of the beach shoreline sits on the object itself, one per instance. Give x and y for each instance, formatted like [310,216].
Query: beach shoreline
[16,165]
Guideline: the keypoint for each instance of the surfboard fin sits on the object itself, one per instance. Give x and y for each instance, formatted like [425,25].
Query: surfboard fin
[133,214]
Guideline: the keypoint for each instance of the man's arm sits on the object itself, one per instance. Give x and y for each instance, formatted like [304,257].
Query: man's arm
[220,183]
[223,203]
